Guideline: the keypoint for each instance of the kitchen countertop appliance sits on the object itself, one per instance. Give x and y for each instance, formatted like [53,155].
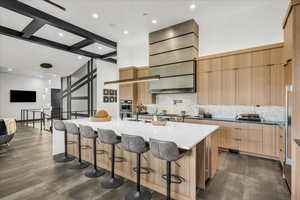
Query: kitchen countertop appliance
[126,108]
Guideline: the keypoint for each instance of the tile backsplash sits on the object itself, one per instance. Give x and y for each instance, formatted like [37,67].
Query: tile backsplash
[174,103]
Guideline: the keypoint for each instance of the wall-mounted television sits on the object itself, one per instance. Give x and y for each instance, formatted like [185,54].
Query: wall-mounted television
[22,96]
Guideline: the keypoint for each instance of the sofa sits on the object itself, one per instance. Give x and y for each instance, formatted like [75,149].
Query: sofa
[8,128]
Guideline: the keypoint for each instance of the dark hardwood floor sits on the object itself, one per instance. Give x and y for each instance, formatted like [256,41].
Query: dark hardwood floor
[27,171]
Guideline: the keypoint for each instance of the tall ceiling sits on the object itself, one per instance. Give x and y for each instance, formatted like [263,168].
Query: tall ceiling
[115,16]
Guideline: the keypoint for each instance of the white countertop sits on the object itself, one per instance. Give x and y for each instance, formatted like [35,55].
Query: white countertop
[185,135]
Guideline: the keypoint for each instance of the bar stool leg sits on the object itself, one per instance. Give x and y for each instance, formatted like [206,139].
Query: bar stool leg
[112,181]
[95,171]
[79,164]
[168,180]
[138,194]
[66,157]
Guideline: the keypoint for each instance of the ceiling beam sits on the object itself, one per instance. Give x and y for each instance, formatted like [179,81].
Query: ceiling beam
[32,28]
[18,35]
[81,44]
[111,54]
[111,60]
[36,14]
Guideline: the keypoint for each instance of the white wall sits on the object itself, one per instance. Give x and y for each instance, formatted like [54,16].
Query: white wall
[10,81]
[107,72]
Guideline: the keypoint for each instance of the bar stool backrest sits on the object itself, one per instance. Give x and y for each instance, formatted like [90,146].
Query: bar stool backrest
[164,150]
[59,125]
[72,128]
[108,136]
[87,132]
[133,143]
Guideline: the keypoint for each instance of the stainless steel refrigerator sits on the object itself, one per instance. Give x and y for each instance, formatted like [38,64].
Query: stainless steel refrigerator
[288,134]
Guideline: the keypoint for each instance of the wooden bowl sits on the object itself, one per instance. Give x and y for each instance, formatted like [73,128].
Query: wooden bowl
[159,123]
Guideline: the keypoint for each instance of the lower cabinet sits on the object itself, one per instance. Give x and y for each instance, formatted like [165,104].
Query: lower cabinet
[258,139]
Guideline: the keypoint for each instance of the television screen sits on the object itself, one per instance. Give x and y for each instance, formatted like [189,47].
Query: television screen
[22,96]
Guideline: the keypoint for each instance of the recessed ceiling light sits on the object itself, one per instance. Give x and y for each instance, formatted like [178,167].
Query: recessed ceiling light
[154,21]
[99,48]
[192,6]
[79,57]
[9,69]
[61,34]
[125,32]
[95,15]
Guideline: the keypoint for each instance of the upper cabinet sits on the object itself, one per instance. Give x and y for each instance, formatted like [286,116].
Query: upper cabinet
[137,92]
[143,95]
[247,77]
[127,91]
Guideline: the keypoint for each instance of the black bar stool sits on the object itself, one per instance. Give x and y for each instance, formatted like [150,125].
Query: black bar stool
[109,137]
[74,130]
[168,151]
[136,144]
[88,132]
[60,126]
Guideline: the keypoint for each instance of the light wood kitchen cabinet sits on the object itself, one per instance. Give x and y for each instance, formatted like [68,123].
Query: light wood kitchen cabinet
[143,95]
[288,73]
[270,141]
[228,85]
[229,62]
[261,85]
[261,58]
[288,49]
[127,91]
[203,88]
[277,85]
[247,77]
[243,86]
[276,55]
[281,148]
[214,83]
[209,65]
[244,60]
[254,138]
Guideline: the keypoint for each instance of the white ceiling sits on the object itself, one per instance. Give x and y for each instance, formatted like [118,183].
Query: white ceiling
[115,16]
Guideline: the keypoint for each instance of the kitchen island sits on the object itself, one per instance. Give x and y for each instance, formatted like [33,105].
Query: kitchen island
[197,142]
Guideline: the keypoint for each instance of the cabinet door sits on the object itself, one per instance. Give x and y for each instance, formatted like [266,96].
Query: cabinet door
[261,86]
[243,86]
[214,93]
[288,50]
[228,87]
[277,85]
[276,56]
[203,66]
[244,60]
[254,139]
[126,92]
[202,88]
[270,141]
[261,58]
[229,62]
[281,144]
[288,74]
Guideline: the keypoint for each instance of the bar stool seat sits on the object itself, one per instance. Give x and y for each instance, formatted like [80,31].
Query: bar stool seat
[60,126]
[89,133]
[107,136]
[137,145]
[169,152]
[74,130]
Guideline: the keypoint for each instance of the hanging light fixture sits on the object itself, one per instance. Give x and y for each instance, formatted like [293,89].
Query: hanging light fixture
[134,80]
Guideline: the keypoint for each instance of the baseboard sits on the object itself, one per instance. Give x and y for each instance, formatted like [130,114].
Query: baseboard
[254,155]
